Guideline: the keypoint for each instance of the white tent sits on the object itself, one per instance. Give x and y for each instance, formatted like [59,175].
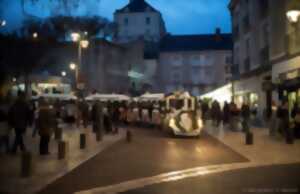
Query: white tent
[55,96]
[107,97]
[152,97]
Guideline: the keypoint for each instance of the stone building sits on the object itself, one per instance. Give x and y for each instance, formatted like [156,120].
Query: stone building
[139,20]
[251,34]
[195,63]
[266,53]
[109,67]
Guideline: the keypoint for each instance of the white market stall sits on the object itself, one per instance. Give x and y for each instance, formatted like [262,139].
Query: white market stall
[108,97]
[222,94]
[152,97]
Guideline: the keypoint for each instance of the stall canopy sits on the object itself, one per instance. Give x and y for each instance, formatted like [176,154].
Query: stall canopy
[108,97]
[55,96]
[221,94]
[152,97]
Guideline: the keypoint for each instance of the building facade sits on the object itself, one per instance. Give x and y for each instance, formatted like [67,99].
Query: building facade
[266,53]
[195,63]
[138,20]
[251,23]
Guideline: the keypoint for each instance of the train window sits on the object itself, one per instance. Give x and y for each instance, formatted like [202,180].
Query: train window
[177,103]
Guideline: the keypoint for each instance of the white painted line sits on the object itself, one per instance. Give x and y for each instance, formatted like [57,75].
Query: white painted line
[171,176]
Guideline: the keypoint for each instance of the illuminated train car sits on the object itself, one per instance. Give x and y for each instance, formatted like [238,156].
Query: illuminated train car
[182,118]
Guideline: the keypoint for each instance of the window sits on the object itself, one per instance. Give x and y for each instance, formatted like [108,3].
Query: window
[176,60]
[148,20]
[248,47]
[176,78]
[195,60]
[228,60]
[126,21]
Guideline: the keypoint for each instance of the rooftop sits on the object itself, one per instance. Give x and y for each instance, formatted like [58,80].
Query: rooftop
[174,43]
[135,6]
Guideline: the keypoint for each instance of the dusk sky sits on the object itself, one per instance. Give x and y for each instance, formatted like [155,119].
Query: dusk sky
[181,16]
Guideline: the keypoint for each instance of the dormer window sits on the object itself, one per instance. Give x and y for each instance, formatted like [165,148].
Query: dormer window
[126,21]
[148,20]
[148,9]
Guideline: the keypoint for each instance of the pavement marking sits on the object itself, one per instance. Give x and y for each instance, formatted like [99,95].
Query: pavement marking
[171,176]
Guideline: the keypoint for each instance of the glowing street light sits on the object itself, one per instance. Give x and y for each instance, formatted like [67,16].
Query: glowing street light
[293,12]
[75,37]
[63,73]
[84,43]
[72,66]
[35,35]
[3,23]
[14,79]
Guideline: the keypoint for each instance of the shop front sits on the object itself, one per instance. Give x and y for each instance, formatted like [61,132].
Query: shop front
[286,75]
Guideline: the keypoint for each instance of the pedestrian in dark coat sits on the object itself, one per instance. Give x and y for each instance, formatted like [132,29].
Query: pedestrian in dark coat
[84,109]
[4,126]
[245,113]
[97,117]
[19,116]
[46,123]
[226,113]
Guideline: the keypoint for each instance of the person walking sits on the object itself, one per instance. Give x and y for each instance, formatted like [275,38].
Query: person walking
[4,126]
[97,117]
[245,113]
[19,120]
[226,113]
[46,123]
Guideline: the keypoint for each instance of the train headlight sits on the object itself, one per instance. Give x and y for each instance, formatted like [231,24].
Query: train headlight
[172,122]
[200,123]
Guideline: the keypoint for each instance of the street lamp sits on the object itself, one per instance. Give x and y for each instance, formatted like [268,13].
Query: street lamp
[293,12]
[35,35]
[74,67]
[63,73]
[3,23]
[82,43]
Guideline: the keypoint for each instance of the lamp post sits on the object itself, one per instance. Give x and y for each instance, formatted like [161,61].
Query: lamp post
[293,11]
[74,68]
[82,43]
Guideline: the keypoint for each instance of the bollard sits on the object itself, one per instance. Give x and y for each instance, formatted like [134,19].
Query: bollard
[116,130]
[99,136]
[58,134]
[26,165]
[249,138]
[62,150]
[82,141]
[289,137]
[128,136]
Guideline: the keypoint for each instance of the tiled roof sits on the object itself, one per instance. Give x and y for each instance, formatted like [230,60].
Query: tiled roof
[176,43]
[137,6]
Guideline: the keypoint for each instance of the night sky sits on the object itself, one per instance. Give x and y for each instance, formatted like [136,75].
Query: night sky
[181,16]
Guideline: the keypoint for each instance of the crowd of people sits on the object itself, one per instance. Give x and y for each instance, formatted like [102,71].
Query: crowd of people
[44,116]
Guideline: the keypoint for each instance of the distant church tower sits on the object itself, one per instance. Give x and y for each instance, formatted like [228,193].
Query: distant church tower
[137,20]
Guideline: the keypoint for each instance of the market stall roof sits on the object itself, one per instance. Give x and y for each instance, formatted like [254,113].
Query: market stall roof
[55,96]
[150,97]
[107,97]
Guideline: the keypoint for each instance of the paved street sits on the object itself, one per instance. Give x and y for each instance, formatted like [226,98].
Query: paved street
[151,153]
[272,179]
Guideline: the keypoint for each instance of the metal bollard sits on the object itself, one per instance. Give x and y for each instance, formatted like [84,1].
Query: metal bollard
[82,141]
[99,136]
[58,133]
[128,136]
[62,150]
[289,137]
[249,138]
[26,165]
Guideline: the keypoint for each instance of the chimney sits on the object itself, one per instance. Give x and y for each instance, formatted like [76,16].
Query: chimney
[218,34]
